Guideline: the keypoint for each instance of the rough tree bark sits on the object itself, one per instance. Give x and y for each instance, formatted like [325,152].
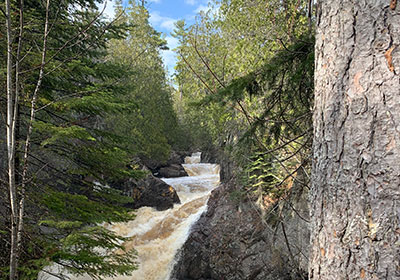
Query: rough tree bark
[356,170]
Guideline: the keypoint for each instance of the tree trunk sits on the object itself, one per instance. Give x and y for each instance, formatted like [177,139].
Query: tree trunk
[356,169]
[11,147]
[30,126]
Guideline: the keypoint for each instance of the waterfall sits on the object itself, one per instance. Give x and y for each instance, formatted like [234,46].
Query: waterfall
[158,235]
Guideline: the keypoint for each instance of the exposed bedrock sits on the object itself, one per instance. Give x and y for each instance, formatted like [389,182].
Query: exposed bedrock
[171,171]
[149,191]
[152,191]
[170,167]
[235,240]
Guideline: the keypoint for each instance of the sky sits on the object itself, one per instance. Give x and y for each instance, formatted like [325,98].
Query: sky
[163,15]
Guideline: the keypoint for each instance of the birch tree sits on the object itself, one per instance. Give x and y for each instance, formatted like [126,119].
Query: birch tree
[50,48]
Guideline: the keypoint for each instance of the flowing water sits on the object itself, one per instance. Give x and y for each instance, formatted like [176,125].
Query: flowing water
[157,235]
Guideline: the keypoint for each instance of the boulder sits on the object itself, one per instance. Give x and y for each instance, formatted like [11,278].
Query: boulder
[149,191]
[153,192]
[174,170]
[175,159]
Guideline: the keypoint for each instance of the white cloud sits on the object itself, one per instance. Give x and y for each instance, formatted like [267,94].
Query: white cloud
[172,42]
[191,2]
[201,8]
[170,59]
[109,10]
[168,24]
[169,56]
[155,18]
[205,9]
[164,22]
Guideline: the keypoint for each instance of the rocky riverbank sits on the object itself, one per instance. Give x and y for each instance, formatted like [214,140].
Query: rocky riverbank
[151,190]
[237,240]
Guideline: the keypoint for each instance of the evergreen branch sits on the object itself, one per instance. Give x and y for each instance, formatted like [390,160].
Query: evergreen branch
[83,31]
[56,17]
[83,51]
[3,12]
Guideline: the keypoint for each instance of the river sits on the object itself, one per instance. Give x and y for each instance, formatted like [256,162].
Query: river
[158,235]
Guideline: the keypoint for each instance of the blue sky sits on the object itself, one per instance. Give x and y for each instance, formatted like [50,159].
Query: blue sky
[163,15]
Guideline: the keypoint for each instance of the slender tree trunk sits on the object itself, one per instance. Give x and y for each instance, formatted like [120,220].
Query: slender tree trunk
[11,146]
[30,127]
[18,207]
[15,128]
[356,170]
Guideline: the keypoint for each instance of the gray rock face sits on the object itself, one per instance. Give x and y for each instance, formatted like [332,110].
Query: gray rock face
[149,191]
[174,170]
[153,192]
[175,158]
[232,241]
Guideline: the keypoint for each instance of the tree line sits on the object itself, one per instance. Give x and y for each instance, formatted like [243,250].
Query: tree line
[248,69]
[281,88]
[245,73]
[83,99]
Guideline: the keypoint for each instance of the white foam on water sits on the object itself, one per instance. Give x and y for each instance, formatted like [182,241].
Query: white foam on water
[158,235]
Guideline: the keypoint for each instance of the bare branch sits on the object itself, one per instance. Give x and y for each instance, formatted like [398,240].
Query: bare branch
[29,132]
[197,75]
[206,64]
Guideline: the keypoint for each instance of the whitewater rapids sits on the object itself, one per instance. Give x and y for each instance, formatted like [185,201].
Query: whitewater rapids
[158,235]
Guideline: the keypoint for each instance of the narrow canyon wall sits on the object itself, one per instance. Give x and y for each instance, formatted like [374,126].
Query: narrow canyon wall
[234,240]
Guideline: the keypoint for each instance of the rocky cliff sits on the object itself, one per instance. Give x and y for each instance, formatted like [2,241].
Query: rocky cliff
[237,240]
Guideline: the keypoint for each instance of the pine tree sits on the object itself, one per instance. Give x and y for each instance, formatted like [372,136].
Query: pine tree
[355,182]
[58,100]
[153,128]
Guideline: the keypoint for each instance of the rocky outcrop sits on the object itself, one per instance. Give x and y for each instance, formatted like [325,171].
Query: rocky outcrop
[175,159]
[173,170]
[149,191]
[235,240]
[210,155]
[228,167]
[152,192]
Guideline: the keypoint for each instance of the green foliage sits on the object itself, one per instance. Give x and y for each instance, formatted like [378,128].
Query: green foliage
[285,85]
[63,134]
[86,92]
[153,129]
[75,241]
[263,175]
[283,127]
[93,250]
[84,210]
[245,76]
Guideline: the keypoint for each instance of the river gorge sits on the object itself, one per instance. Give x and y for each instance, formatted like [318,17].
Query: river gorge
[157,236]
